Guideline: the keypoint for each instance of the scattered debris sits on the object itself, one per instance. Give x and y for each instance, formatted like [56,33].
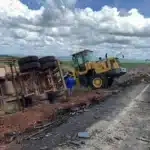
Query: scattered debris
[9,134]
[44,148]
[76,143]
[109,140]
[83,135]
[73,113]
[115,92]
[83,142]
[67,137]
[37,138]
[45,127]
[62,144]
[10,139]
[143,139]
[74,137]
[96,117]
[86,110]
[48,134]
[118,138]
[81,111]
[75,109]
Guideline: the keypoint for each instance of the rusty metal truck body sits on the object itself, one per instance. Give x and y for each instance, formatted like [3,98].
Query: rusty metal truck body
[17,85]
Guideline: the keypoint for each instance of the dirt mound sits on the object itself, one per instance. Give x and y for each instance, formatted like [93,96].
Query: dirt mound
[134,76]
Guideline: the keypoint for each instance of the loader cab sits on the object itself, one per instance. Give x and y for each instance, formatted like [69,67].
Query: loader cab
[81,58]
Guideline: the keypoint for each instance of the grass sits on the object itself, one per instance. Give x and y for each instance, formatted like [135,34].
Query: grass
[68,63]
[131,65]
[123,64]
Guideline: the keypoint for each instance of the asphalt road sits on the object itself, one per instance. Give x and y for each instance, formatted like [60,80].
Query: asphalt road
[116,123]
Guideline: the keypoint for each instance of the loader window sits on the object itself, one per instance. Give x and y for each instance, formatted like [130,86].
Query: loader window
[80,60]
[77,60]
[75,63]
[87,56]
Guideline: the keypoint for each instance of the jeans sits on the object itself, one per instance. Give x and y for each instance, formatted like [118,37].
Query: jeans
[69,91]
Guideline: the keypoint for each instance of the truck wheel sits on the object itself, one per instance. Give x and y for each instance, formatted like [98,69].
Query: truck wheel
[98,82]
[59,93]
[46,59]
[29,67]
[27,59]
[51,97]
[49,65]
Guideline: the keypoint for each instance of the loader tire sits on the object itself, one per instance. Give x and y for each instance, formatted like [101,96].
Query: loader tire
[99,81]
[28,67]
[110,82]
[46,59]
[27,59]
[83,81]
[48,65]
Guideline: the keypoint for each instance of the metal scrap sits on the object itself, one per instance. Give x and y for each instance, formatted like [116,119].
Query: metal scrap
[44,148]
[143,139]
[76,143]
[45,127]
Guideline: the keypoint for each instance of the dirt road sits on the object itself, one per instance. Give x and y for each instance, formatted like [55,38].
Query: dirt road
[120,122]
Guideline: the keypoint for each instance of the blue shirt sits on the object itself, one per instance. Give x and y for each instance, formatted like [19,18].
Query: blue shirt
[70,82]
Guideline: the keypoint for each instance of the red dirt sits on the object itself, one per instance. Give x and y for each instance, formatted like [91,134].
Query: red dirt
[3,147]
[22,120]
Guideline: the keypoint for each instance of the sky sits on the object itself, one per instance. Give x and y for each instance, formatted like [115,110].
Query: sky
[61,27]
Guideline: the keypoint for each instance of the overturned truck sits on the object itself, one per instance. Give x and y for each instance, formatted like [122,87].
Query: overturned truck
[30,80]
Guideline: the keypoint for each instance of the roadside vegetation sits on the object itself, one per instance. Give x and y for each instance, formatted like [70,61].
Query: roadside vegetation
[123,64]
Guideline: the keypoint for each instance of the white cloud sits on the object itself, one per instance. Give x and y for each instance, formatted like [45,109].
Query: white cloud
[58,27]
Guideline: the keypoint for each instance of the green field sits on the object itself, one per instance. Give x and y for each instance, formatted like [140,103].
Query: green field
[130,65]
[126,64]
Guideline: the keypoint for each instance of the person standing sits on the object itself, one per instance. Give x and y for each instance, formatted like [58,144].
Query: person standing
[70,83]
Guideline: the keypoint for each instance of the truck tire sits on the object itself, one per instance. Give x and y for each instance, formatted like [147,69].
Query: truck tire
[48,65]
[26,101]
[46,59]
[29,67]
[53,96]
[27,59]
[59,93]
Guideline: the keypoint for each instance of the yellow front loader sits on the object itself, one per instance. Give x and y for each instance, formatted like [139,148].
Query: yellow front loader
[95,74]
